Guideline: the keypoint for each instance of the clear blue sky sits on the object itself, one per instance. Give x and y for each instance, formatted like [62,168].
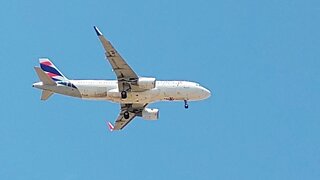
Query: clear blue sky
[260,59]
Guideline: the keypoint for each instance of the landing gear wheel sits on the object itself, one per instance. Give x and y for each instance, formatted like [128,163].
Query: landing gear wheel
[123,94]
[186,104]
[126,115]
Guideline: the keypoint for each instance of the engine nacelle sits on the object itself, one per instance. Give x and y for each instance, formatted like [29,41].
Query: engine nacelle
[150,114]
[146,83]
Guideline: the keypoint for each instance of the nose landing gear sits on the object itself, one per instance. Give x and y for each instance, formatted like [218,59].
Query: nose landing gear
[186,104]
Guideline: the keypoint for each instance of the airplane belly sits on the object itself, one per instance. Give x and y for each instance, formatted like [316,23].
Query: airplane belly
[93,92]
[173,94]
[136,97]
[145,96]
[66,91]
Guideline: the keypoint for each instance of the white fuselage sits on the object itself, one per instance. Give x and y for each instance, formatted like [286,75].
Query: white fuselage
[108,90]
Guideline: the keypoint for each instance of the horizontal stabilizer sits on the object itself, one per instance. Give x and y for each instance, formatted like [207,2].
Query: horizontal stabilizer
[44,78]
[45,95]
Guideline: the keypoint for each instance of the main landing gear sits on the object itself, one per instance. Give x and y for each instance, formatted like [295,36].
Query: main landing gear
[186,104]
[126,115]
[123,94]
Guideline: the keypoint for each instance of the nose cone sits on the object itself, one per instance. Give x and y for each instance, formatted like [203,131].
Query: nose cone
[206,93]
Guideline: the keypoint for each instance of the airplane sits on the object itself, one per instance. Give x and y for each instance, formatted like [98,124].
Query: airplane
[134,93]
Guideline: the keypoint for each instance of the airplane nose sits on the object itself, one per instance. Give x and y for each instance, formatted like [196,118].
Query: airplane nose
[206,93]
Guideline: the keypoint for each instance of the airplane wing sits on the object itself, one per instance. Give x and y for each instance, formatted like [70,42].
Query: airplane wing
[123,71]
[133,110]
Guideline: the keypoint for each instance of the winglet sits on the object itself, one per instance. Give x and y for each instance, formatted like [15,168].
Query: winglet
[97,31]
[111,127]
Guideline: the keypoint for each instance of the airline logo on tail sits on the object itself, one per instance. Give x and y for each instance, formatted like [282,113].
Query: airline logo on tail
[50,69]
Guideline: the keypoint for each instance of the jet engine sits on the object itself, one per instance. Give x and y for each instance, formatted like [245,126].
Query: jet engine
[146,83]
[150,114]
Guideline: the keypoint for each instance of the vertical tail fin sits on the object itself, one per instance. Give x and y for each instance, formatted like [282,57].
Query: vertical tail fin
[51,70]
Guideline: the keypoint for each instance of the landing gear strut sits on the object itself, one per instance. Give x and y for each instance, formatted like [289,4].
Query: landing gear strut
[186,104]
[123,94]
[126,115]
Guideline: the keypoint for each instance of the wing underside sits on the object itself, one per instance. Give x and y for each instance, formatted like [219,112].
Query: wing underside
[133,110]
[127,81]
[123,71]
